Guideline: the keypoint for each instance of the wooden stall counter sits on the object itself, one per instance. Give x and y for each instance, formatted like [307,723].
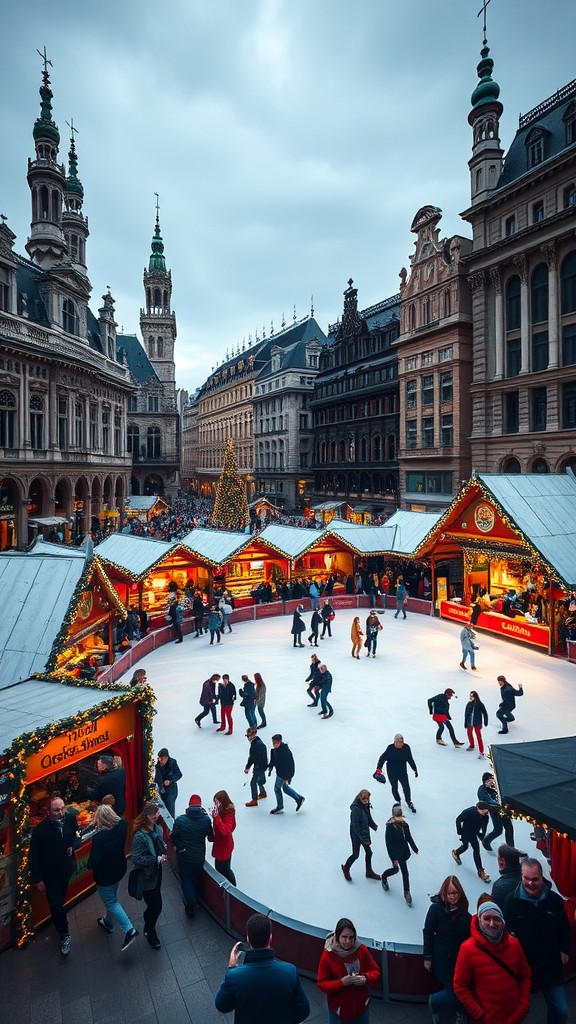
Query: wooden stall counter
[494,622]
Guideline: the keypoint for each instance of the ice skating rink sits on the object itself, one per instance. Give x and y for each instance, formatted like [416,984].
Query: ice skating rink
[291,862]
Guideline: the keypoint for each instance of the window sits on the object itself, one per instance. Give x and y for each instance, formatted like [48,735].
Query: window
[106,431]
[511,412]
[446,389]
[539,294]
[540,466]
[568,284]
[570,196]
[445,354]
[428,432]
[538,211]
[569,345]
[303,421]
[513,357]
[447,431]
[153,443]
[569,406]
[427,393]
[160,348]
[377,448]
[538,408]
[411,394]
[513,304]
[446,304]
[117,432]
[303,460]
[153,403]
[4,290]
[569,118]
[93,427]
[427,358]
[36,421]
[535,148]
[511,466]
[7,419]
[62,423]
[540,351]
[510,226]
[429,483]
[133,403]
[411,362]
[426,310]
[69,317]
[411,434]
[79,424]
[415,482]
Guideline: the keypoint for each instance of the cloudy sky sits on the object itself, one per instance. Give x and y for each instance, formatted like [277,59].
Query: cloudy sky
[291,141]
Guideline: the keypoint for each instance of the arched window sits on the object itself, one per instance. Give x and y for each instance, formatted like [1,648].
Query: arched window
[134,440]
[342,451]
[79,424]
[540,466]
[364,449]
[69,317]
[44,203]
[539,294]
[568,464]
[157,298]
[332,451]
[513,304]
[151,346]
[377,448]
[7,419]
[160,347]
[511,465]
[153,446]
[391,448]
[568,284]
[36,421]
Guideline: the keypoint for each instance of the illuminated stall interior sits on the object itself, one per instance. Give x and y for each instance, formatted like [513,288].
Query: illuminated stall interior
[145,506]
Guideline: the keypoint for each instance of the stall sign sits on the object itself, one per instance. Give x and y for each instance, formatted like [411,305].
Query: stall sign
[442,588]
[80,742]
[539,636]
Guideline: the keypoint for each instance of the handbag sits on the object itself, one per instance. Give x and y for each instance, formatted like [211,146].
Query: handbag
[379,776]
[134,882]
[332,616]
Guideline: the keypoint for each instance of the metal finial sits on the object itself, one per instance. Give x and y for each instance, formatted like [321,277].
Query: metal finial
[45,61]
[483,11]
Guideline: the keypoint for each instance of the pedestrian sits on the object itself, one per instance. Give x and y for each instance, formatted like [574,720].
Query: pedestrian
[52,862]
[397,757]
[373,627]
[536,916]
[176,614]
[475,716]
[401,597]
[189,834]
[149,854]
[224,824]
[399,842]
[325,684]
[328,616]
[492,976]
[107,862]
[346,972]
[315,623]
[439,708]
[260,699]
[298,627]
[314,594]
[258,761]
[198,613]
[112,780]
[313,676]
[356,636]
[467,638]
[446,927]
[510,874]
[507,703]
[166,776]
[214,624]
[501,822]
[226,610]
[226,696]
[470,826]
[361,821]
[258,987]
[208,700]
[282,761]
[248,694]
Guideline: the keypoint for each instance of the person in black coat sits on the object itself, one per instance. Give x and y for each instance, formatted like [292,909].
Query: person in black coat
[510,874]
[475,716]
[258,761]
[51,861]
[313,678]
[471,825]
[446,927]
[327,614]
[281,759]
[298,627]
[507,703]
[189,835]
[398,756]
[399,842]
[112,782]
[500,821]
[198,614]
[167,776]
[315,623]
[439,708]
[361,821]
[107,861]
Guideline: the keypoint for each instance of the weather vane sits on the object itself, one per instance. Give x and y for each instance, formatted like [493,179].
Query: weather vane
[45,61]
[483,11]
[158,197]
[70,124]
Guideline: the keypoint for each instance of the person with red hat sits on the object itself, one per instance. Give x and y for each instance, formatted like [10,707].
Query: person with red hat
[189,835]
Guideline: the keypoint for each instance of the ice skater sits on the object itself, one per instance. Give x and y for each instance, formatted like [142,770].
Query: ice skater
[397,757]
[281,759]
[401,597]
[208,700]
[399,842]
[507,703]
[471,827]
[298,627]
[315,623]
[475,715]
[361,821]
[258,761]
[327,614]
[467,638]
[356,636]
[313,678]
[325,683]
[373,627]
[439,708]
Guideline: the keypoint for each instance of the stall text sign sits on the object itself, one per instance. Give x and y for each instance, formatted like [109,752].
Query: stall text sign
[539,636]
[80,742]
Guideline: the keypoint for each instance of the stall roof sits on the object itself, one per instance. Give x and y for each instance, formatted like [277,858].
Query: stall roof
[412,528]
[38,587]
[327,506]
[215,546]
[538,780]
[365,540]
[134,556]
[48,520]
[543,507]
[31,704]
[143,502]
[291,541]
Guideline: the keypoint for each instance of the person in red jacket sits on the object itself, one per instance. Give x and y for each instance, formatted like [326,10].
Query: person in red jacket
[345,973]
[492,979]
[223,823]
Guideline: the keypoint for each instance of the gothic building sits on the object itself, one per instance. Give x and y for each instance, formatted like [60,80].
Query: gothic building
[356,408]
[63,390]
[434,367]
[522,270]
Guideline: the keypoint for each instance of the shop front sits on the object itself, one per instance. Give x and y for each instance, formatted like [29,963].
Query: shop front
[8,531]
[86,642]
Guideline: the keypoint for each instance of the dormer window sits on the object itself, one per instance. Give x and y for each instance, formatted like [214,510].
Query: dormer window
[535,147]
[569,119]
[69,317]
[4,290]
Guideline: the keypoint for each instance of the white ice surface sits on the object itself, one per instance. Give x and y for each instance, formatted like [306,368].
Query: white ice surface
[291,862]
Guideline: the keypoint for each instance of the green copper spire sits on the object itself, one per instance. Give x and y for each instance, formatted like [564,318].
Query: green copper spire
[487,91]
[44,126]
[157,261]
[73,183]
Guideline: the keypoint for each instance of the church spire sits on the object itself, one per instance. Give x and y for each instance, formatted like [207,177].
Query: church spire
[46,134]
[487,154]
[74,223]
[157,260]
[46,180]
[74,186]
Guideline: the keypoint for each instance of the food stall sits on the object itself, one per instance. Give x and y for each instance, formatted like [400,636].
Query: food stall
[514,538]
[145,507]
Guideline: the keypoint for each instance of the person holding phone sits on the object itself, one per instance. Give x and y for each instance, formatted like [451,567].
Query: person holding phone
[345,973]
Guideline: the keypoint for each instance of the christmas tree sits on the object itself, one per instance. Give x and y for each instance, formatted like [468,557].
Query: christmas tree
[231,504]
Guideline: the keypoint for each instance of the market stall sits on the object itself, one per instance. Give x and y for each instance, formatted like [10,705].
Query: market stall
[145,507]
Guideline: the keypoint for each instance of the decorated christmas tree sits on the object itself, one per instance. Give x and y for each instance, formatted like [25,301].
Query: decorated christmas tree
[231,504]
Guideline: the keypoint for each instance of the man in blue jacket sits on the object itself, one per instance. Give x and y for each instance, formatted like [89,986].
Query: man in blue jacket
[260,988]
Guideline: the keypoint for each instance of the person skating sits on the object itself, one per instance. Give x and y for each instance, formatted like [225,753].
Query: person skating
[401,598]
[226,696]
[315,623]
[397,757]
[475,716]
[325,684]
[260,699]
[399,842]
[446,927]
[361,821]
[248,694]
[327,614]
[214,624]
[373,627]
[282,761]
[356,636]
[258,761]
[507,703]
[467,638]
[501,822]
[471,826]
[224,823]
[345,973]
[313,678]
[298,627]
[439,708]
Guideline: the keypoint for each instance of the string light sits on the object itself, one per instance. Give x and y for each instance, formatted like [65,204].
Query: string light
[231,503]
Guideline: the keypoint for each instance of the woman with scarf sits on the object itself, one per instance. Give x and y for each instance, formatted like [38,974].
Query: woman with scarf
[361,821]
[398,843]
[149,854]
[107,861]
[345,973]
[492,979]
[446,927]
[223,823]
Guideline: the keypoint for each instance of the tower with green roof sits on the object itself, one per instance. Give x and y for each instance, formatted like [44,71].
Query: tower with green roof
[487,154]
[74,223]
[157,321]
[46,179]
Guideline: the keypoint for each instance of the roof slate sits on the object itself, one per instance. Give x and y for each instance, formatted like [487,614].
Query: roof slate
[516,162]
[136,358]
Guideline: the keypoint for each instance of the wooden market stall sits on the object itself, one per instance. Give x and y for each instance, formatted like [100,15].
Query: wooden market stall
[145,507]
[504,553]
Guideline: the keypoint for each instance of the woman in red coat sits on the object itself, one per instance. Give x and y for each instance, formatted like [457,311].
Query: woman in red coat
[492,977]
[345,973]
[223,823]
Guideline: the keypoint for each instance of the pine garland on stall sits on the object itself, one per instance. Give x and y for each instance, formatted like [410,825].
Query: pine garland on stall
[231,504]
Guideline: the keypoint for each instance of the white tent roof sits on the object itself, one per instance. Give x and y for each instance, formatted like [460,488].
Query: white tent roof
[135,555]
[216,546]
[291,541]
[411,528]
[34,703]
